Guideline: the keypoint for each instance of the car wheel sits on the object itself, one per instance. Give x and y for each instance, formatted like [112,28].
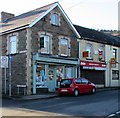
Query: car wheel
[76,92]
[93,90]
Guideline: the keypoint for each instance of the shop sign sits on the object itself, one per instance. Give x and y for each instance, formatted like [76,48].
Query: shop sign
[113,62]
[93,65]
[4,61]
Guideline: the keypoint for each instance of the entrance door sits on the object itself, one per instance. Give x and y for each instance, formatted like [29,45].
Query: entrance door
[51,82]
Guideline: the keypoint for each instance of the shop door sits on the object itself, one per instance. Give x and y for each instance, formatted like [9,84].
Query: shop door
[51,83]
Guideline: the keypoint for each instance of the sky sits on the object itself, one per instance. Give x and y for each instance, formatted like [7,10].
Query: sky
[94,14]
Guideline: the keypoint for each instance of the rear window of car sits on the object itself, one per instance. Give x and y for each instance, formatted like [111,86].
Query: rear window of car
[66,81]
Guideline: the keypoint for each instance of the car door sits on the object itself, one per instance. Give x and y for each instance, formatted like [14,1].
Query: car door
[79,85]
[85,85]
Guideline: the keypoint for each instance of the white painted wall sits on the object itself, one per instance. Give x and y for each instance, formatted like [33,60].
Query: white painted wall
[108,55]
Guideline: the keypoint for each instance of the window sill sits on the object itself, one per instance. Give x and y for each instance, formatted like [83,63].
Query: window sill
[56,25]
[89,58]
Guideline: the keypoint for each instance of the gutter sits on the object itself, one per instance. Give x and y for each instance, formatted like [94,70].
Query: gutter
[15,29]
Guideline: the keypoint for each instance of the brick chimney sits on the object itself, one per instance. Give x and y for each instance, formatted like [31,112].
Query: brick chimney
[5,16]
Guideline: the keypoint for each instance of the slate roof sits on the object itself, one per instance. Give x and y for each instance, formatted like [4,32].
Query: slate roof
[24,19]
[97,36]
[30,18]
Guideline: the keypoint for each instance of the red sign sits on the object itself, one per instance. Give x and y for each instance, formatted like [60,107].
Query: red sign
[92,64]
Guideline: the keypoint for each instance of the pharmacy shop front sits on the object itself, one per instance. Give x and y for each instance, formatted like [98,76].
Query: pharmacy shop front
[48,72]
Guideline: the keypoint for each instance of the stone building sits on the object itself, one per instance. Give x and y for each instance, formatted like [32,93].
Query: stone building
[41,46]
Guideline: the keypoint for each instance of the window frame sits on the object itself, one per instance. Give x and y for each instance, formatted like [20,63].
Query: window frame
[46,49]
[116,72]
[55,19]
[101,48]
[12,44]
[67,47]
[114,53]
[90,52]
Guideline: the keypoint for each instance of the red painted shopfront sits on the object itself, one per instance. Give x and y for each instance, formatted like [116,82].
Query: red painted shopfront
[94,71]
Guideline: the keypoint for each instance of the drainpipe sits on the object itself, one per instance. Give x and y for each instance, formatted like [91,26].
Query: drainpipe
[34,74]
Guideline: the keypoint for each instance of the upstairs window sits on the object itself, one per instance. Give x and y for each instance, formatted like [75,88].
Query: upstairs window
[12,45]
[89,48]
[114,53]
[101,53]
[64,47]
[55,19]
[45,44]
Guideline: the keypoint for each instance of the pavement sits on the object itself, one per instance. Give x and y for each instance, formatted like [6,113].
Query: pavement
[32,97]
[46,95]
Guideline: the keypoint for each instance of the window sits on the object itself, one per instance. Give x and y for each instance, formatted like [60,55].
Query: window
[78,81]
[84,81]
[115,53]
[101,53]
[55,19]
[90,51]
[12,45]
[115,74]
[64,47]
[45,44]
[40,76]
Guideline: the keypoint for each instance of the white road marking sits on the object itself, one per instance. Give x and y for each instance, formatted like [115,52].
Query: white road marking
[111,115]
[118,112]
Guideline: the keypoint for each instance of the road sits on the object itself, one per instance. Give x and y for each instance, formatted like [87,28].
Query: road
[103,103]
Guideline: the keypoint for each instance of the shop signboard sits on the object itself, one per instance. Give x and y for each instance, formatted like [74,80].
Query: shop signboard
[4,61]
[93,65]
[113,62]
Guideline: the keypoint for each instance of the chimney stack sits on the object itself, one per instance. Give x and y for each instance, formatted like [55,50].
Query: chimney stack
[4,16]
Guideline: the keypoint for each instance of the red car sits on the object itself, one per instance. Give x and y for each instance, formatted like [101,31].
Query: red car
[76,86]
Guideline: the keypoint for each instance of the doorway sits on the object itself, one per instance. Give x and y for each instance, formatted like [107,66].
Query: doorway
[51,82]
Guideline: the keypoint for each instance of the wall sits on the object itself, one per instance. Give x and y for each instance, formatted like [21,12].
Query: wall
[95,49]
[0,67]
[18,61]
[63,30]
[109,54]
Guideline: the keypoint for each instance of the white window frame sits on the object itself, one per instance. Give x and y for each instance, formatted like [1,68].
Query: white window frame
[89,48]
[114,53]
[102,48]
[67,43]
[47,49]
[12,45]
[55,19]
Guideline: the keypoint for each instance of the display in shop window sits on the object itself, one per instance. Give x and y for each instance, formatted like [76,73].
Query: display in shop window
[40,77]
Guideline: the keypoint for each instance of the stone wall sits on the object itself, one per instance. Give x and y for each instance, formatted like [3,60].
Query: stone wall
[18,61]
[63,30]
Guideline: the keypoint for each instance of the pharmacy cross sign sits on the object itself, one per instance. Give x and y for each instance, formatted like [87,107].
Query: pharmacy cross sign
[4,61]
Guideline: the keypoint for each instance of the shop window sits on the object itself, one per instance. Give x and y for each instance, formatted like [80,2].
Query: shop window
[64,47]
[70,72]
[115,75]
[40,77]
[45,44]
[60,74]
[89,48]
[12,46]
[55,19]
